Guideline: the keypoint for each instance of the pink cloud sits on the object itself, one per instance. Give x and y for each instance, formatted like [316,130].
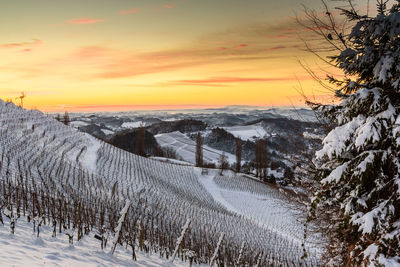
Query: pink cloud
[277,47]
[84,21]
[98,61]
[35,42]
[242,45]
[92,52]
[129,11]
[281,36]
[170,5]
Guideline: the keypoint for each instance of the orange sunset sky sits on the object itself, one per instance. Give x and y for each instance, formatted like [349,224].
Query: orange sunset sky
[128,54]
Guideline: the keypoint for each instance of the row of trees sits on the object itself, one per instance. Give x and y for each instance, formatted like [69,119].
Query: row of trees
[260,161]
[64,119]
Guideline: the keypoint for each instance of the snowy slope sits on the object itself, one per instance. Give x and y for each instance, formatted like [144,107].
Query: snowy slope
[25,249]
[186,148]
[247,132]
[266,205]
[134,124]
[50,159]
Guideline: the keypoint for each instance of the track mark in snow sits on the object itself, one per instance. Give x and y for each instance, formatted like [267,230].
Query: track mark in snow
[208,182]
[268,211]
[89,158]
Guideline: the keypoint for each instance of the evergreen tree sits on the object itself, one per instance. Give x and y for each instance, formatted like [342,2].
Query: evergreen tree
[358,166]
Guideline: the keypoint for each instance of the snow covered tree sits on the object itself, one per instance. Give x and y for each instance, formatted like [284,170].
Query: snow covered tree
[223,163]
[358,166]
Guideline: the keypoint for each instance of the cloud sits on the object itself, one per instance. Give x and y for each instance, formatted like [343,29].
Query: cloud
[259,34]
[281,36]
[104,62]
[128,68]
[169,6]
[34,42]
[84,21]
[91,52]
[278,47]
[242,46]
[222,81]
[129,11]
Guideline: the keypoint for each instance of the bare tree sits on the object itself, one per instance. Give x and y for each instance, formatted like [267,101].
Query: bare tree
[199,150]
[66,119]
[21,98]
[260,161]
[141,142]
[238,154]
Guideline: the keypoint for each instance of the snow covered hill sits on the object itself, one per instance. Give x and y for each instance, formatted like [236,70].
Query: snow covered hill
[78,182]
[185,148]
[248,132]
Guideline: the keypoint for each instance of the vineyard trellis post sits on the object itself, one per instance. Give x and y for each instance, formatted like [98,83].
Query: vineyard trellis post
[215,255]
[240,254]
[180,238]
[121,220]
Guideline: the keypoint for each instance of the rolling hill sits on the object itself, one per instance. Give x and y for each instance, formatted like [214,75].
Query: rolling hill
[77,182]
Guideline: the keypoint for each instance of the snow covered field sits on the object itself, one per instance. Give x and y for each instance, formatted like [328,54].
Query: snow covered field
[25,249]
[258,202]
[265,207]
[186,148]
[247,132]
[134,124]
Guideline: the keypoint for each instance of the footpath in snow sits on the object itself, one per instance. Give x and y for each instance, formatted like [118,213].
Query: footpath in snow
[268,209]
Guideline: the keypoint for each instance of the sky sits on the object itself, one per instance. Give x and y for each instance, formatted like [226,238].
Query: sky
[95,55]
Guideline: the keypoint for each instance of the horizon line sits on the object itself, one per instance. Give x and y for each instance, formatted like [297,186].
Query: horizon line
[128,108]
